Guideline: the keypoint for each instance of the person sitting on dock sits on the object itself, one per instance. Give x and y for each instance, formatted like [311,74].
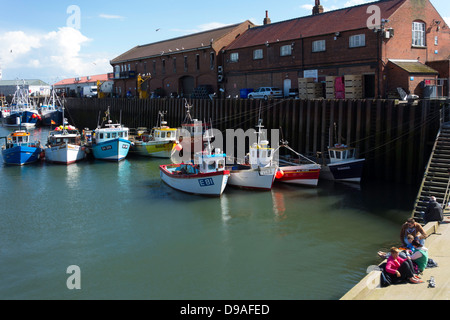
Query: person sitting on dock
[420,256]
[400,269]
[414,228]
[433,212]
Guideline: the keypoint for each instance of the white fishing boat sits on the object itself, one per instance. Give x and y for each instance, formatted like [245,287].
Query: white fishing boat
[192,131]
[259,172]
[64,145]
[205,176]
[159,143]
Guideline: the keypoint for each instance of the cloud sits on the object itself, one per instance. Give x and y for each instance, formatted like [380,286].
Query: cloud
[47,56]
[111,16]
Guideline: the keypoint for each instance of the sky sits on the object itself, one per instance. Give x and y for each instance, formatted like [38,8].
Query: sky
[55,40]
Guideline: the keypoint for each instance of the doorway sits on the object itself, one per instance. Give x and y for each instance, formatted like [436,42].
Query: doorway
[286,87]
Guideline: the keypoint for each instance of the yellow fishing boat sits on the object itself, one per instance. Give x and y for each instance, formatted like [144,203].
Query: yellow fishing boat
[159,143]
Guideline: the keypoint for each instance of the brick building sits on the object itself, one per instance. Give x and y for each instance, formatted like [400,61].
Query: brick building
[177,66]
[389,43]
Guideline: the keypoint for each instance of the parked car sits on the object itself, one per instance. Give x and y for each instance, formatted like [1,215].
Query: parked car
[293,93]
[266,93]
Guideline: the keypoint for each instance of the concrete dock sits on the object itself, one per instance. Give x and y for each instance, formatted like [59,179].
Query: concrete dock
[438,245]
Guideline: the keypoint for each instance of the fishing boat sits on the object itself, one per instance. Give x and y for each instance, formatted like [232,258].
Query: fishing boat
[64,145]
[51,111]
[259,171]
[159,143]
[110,142]
[206,175]
[342,164]
[299,171]
[19,149]
[192,131]
[22,108]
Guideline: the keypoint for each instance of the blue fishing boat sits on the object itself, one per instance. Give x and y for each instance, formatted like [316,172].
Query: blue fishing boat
[110,142]
[22,110]
[51,111]
[19,149]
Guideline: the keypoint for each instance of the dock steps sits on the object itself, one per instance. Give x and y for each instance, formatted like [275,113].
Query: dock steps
[436,180]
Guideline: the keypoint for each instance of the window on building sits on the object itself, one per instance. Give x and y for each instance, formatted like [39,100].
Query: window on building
[154,67]
[257,54]
[197,62]
[185,64]
[286,50]
[418,34]
[212,57]
[318,46]
[358,40]
[174,61]
[436,40]
[163,66]
[234,57]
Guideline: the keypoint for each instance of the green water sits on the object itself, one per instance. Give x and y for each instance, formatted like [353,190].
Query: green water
[133,237]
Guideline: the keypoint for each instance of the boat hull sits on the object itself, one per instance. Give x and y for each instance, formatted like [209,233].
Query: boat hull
[154,149]
[28,119]
[209,184]
[254,179]
[350,171]
[65,154]
[21,155]
[301,175]
[55,116]
[111,150]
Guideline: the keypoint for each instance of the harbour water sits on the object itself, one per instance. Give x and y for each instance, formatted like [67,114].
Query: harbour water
[133,237]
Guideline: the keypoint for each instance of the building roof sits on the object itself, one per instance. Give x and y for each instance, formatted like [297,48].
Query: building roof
[29,82]
[81,80]
[351,18]
[186,43]
[414,67]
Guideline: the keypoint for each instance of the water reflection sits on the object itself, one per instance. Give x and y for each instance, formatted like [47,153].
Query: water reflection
[279,207]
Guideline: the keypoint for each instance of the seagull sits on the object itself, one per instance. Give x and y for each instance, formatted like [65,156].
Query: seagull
[158,29]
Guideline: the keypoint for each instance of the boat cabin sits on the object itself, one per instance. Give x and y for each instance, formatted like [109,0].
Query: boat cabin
[110,133]
[261,154]
[196,128]
[210,162]
[341,152]
[19,138]
[69,138]
[164,133]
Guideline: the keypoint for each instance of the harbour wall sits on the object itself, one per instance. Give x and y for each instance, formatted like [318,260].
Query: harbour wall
[394,137]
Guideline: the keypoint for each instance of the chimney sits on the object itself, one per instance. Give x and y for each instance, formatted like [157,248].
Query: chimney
[267,19]
[317,9]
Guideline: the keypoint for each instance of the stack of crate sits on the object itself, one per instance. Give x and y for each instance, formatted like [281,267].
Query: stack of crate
[353,87]
[303,87]
[329,84]
[309,89]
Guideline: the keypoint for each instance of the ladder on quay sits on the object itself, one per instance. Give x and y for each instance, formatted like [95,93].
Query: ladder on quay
[436,180]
